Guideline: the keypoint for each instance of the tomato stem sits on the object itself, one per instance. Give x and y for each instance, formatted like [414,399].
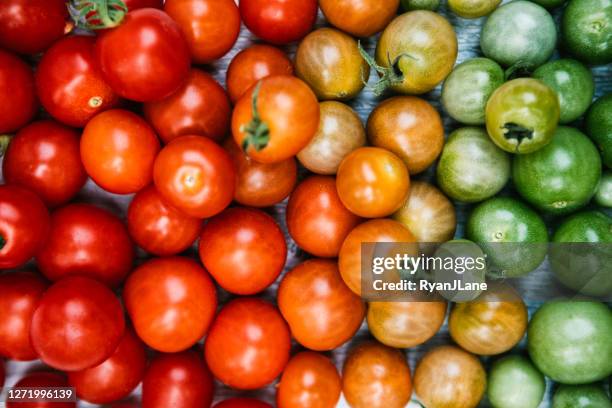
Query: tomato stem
[4,142]
[520,69]
[389,76]
[2,242]
[97,14]
[257,131]
[517,132]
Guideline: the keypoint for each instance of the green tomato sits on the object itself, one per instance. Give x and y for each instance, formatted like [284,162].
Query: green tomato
[472,168]
[467,89]
[569,341]
[562,176]
[586,28]
[550,3]
[514,382]
[410,5]
[573,83]
[603,196]
[519,32]
[581,396]
[598,125]
[522,115]
[473,8]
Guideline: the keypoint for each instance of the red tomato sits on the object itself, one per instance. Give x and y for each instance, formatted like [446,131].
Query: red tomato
[16,86]
[69,83]
[195,175]
[78,324]
[24,226]
[171,302]
[199,107]
[177,380]
[159,228]
[252,64]
[279,21]
[145,58]
[86,240]
[44,157]
[42,379]
[248,344]
[242,403]
[19,296]
[138,4]
[31,26]
[243,249]
[210,26]
[316,218]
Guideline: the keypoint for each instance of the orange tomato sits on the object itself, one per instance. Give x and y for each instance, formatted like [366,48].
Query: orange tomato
[361,18]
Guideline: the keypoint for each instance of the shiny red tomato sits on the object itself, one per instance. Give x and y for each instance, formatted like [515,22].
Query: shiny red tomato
[44,157]
[24,226]
[159,228]
[199,107]
[242,403]
[137,4]
[155,63]
[243,249]
[116,377]
[42,379]
[78,324]
[16,86]
[177,380]
[86,240]
[279,21]
[248,344]
[171,302]
[19,296]
[195,175]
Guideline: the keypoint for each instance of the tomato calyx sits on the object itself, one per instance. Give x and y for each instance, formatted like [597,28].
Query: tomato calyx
[514,131]
[257,131]
[97,14]
[520,69]
[2,242]
[4,143]
[389,76]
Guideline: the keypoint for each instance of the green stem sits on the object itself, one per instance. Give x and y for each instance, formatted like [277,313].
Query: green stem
[97,14]
[4,143]
[389,76]
[517,132]
[2,242]
[519,70]
[257,131]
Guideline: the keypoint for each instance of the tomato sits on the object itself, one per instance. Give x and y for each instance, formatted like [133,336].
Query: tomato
[17,86]
[248,344]
[473,8]
[362,18]
[252,64]
[211,27]
[472,168]
[550,3]
[340,132]
[42,380]
[405,324]
[177,380]
[591,395]
[555,185]
[448,376]
[321,310]
[522,115]
[275,119]
[159,228]
[24,226]
[154,65]
[467,89]
[566,354]
[376,376]
[279,21]
[242,403]
[587,30]
[19,296]
[329,61]
[310,380]
[259,184]
[409,127]
[598,125]
[410,5]
[515,382]
[118,149]
[171,301]
[316,218]
[195,175]
[137,4]
[69,83]
[77,325]
[372,182]
[199,107]
[603,196]
[116,377]
[244,250]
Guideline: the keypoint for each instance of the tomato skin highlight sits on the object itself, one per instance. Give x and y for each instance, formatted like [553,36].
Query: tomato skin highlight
[17,86]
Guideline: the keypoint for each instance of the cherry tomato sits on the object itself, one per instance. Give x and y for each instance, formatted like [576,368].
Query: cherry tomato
[199,107]
[44,380]
[242,403]
[86,240]
[44,157]
[248,344]
[285,119]
[116,377]
[155,63]
[24,226]
[16,86]
[252,64]
[19,296]
[279,21]
[78,324]
[159,228]
[195,175]
[361,18]
[310,380]
[137,4]
[244,250]
[69,83]
[177,380]
[321,310]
